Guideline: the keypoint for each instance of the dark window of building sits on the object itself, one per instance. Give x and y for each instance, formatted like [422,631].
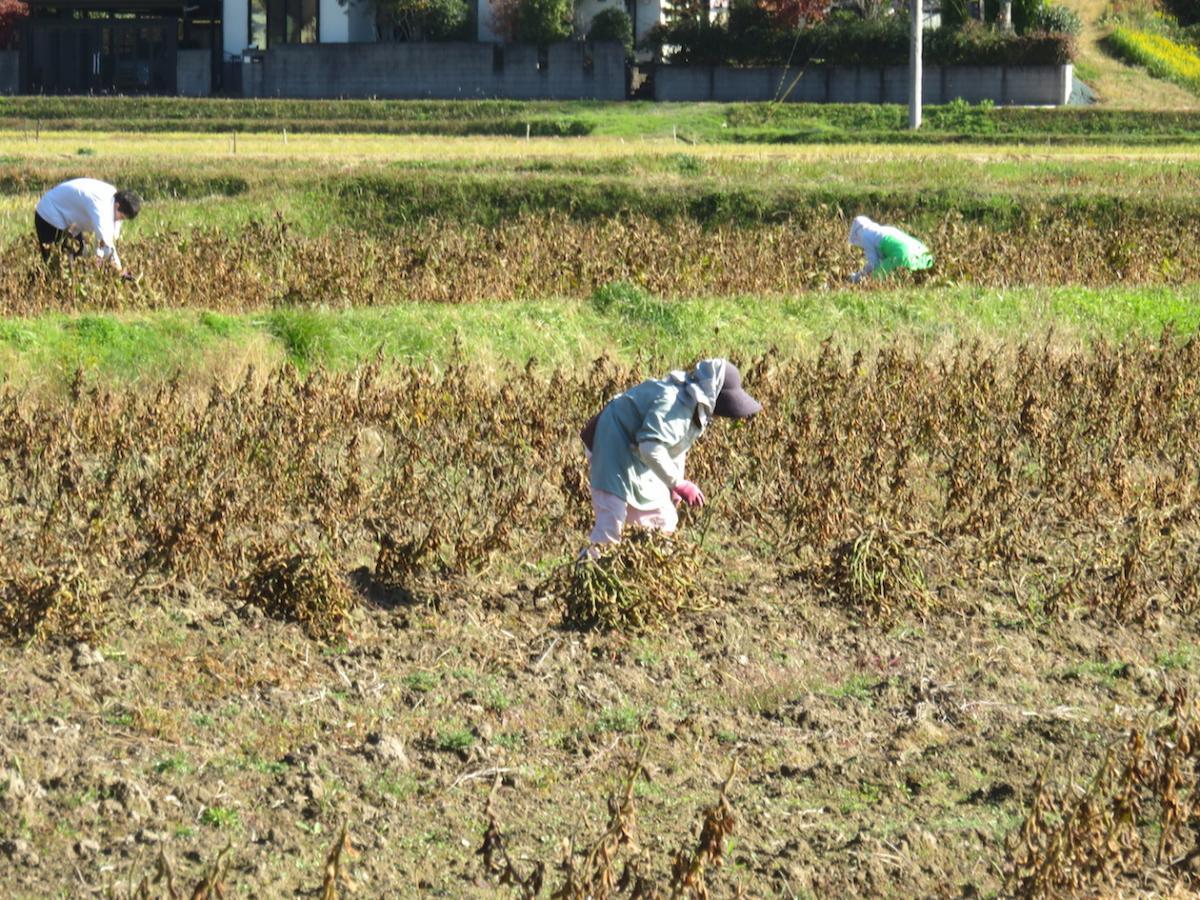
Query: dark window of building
[274,22]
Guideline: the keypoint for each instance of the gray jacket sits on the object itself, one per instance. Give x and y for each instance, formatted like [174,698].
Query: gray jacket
[643,435]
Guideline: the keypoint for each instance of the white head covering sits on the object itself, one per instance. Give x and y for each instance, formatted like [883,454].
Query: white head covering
[865,232]
[702,385]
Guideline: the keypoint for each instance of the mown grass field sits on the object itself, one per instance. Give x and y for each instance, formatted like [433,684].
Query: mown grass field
[286,525]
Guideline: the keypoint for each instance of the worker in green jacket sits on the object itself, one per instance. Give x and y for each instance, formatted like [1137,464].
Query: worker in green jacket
[887,249]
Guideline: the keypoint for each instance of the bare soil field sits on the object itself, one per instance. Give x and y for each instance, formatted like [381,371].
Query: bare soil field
[871,761]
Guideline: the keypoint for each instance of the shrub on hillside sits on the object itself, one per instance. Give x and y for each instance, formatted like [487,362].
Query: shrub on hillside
[1054,18]
[1186,12]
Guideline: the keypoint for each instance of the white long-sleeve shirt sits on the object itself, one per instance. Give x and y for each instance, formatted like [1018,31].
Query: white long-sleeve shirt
[868,234]
[85,206]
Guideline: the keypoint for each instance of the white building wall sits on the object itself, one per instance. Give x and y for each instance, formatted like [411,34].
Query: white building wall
[585,11]
[649,14]
[235,27]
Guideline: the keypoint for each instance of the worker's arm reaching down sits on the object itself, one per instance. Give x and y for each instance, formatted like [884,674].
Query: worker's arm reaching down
[658,458]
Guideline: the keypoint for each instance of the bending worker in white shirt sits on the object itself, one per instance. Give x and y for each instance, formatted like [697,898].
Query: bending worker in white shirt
[84,206]
[639,443]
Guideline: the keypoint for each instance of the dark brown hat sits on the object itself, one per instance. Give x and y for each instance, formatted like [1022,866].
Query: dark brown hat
[733,402]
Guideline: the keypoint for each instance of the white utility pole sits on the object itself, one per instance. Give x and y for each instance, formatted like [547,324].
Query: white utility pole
[914,68]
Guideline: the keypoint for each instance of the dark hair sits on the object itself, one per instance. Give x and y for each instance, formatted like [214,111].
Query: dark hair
[129,203]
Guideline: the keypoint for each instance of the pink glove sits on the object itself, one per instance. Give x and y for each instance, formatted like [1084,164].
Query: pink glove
[688,493]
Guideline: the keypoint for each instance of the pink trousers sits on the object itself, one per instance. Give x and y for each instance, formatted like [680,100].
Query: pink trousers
[613,514]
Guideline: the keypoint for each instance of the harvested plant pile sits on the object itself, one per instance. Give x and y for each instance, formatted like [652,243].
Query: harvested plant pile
[1084,465]
[880,573]
[641,584]
[269,265]
[301,587]
[55,602]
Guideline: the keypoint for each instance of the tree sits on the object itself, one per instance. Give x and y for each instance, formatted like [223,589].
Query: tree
[791,14]
[545,21]
[613,25]
[424,20]
[11,13]
[533,21]
[504,18]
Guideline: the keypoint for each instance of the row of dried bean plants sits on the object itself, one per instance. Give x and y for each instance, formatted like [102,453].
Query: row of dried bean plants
[896,484]
[268,264]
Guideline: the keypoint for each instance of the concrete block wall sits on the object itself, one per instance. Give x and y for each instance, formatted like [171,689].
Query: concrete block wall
[1003,85]
[973,83]
[10,71]
[729,85]
[193,73]
[441,71]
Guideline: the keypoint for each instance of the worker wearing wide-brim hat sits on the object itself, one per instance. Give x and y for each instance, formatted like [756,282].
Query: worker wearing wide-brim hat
[639,444]
[887,249]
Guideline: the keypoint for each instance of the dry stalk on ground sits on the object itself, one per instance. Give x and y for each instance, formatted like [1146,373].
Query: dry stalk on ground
[612,865]
[161,882]
[333,865]
[1140,814]
[269,265]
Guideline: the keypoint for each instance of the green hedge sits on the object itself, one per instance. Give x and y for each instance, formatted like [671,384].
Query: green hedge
[748,39]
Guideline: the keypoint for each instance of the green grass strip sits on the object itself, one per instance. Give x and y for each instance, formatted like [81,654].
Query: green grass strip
[619,320]
[682,122]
